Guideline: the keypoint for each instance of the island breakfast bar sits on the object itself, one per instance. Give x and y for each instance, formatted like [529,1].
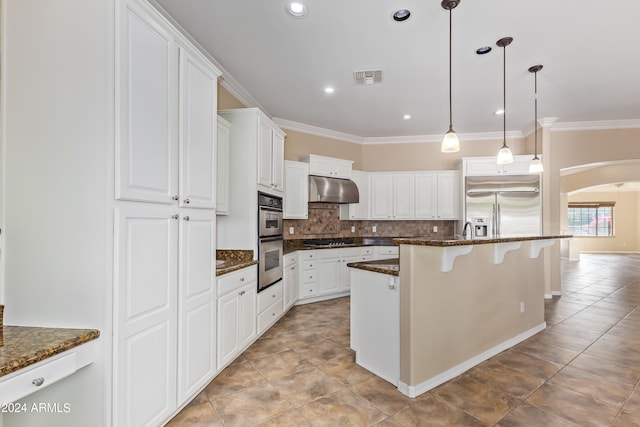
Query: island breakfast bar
[459,302]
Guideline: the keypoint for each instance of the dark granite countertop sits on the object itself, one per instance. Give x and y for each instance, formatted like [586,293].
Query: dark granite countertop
[292,245]
[384,266]
[233,260]
[23,346]
[480,241]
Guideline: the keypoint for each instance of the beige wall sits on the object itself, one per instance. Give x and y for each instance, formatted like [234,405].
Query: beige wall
[298,145]
[226,101]
[626,222]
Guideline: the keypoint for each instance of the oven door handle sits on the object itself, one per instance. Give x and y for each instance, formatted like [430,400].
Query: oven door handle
[271,239]
[270,209]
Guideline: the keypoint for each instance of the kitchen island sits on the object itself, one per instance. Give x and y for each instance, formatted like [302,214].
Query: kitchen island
[457,303]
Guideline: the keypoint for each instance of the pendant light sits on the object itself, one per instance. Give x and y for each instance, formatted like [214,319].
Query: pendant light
[504,155]
[536,164]
[450,142]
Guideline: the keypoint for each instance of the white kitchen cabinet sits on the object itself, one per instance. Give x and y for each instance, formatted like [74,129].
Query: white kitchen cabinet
[270,156]
[166,115]
[385,252]
[360,210]
[347,255]
[448,190]
[437,195]
[329,166]
[308,274]
[381,196]
[290,279]
[328,271]
[487,166]
[255,165]
[165,309]
[222,167]
[237,310]
[403,196]
[146,313]
[296,190]
[270,306]
[196,302]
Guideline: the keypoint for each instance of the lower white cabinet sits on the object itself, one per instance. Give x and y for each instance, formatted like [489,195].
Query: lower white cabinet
[308,274]
[164,309]
[237,309]
[270,306]
[386,252]
[290,279]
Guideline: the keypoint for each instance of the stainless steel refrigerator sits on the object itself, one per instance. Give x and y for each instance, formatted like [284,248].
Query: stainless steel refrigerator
[506,205]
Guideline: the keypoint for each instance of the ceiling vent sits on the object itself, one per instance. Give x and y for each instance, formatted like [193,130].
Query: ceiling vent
[367,77]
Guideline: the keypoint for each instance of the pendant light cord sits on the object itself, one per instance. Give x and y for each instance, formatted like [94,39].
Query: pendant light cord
[450,79]
[504,96]
[535,122]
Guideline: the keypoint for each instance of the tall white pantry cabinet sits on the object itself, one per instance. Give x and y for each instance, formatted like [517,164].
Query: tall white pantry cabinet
[108,202]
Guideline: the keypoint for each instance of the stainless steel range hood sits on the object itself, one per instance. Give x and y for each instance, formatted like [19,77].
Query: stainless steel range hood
[323,189]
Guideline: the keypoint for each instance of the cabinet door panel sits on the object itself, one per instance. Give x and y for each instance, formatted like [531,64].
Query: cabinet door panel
[329,275]
[222,166]
[296,194]
[426,195]
[146,241]
[277,172]
[198,97]
[146,148]
[197,320]
[448,196]
[403,197]
[264,153]
[381,196]
[248,313]
[228,327]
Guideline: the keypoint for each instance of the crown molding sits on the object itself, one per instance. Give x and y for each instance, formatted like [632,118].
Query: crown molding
[318,131]
[596,125]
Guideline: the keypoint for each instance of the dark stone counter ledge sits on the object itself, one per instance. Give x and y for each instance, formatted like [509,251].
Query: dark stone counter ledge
[23,346]
[478,241]
[234,260]
[383,266]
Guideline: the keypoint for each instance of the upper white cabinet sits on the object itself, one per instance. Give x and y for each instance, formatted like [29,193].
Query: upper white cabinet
[437,195]
[166,121]
[480,166]
[329,166]
[296,190]
[358,210]
[392,195]
[270,156]
[222,168]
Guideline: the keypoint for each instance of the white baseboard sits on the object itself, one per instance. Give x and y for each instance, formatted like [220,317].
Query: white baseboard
[322,298]
[423,387]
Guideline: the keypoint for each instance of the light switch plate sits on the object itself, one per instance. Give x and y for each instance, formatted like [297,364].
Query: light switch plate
[291,230]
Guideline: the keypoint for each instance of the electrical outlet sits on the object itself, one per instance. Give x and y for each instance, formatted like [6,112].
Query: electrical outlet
[521,306]
[353,228]
[291,230]
[435,228]
[374,229]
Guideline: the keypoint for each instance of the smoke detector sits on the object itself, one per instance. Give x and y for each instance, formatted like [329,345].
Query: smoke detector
[367,77]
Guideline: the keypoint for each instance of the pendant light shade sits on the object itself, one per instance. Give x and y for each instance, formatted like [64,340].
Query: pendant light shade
[536,164]
[504,155]
[450,142]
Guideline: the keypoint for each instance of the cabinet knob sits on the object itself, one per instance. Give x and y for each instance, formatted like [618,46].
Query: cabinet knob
[186,218]
[38,381]
[293,268]
[242,279]
[175,216]
[175,197]
[187,201]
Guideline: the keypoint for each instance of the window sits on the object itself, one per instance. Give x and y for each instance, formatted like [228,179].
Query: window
[592,219]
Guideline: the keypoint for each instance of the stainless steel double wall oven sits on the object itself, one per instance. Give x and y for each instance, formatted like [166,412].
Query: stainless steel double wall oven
[270,245]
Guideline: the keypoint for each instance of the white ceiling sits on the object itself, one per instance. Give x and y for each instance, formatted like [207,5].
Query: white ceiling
[587,47]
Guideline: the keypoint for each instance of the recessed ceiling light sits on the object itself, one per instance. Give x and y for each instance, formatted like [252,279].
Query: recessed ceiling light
[499,112]
[406,117]
[329,90]
[483,50]
[296,9]
[401,15]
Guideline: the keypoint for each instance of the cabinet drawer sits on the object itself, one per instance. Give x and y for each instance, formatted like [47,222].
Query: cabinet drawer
[305,255]
[308,290]
[269,296]
[349,252]
[289,259]
[309,276]
[309,265]
[367,250]
[231,281]
[387,250]
[270,315]
[24,383]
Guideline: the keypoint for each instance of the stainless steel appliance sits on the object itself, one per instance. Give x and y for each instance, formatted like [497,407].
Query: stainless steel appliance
[323,189]
[504,205]
[270,246]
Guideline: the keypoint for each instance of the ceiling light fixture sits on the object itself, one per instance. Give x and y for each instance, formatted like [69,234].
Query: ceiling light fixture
[536,164]
[498,112]
[296,9]
[406,117]
[483,50]
[504,155]
[401,15]
[329,90]
[450,142]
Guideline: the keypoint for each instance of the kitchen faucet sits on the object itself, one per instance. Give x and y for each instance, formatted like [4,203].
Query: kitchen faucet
[464,230]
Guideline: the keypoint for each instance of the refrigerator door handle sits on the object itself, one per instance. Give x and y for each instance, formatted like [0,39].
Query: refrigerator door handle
[498,220]
[494,224]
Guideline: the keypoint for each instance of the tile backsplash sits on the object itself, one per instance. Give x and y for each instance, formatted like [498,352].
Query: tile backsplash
[324,222]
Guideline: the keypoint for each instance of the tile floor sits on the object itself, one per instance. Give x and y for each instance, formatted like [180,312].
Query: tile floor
[584,370]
